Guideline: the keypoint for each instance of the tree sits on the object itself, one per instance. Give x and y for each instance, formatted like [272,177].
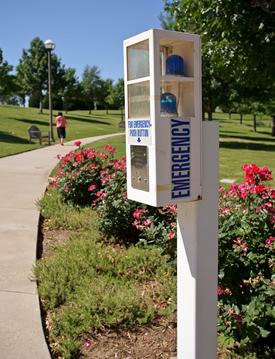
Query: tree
[241,107]
[24,88]
[58,83]
[58,78]
[116,97]
[216,84]
[71,87]
[7,81]
[12,100]
[273,126]
[91,85]
[35,99]
[270,110]
[106,88]
[237,42]
[32,69]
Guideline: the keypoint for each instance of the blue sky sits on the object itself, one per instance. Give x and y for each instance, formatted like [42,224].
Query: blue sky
[85,32]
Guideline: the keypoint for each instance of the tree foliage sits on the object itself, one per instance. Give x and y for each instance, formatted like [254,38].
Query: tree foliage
[32,72]
[7,84]
[238,49]
[58,75]
[116,96]
[33,68]
[106,88]
[71,87]
[91,85]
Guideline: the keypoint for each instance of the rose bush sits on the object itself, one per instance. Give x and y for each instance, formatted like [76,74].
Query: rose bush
[158,229]
[80,173]
[115,210]
[119,217]
[246,260]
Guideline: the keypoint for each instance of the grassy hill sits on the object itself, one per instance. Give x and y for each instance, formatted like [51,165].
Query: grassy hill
[14,123]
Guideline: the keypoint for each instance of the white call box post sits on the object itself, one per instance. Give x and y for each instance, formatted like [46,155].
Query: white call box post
[172,158]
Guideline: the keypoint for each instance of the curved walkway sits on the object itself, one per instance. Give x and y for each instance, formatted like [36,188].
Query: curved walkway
[23,180]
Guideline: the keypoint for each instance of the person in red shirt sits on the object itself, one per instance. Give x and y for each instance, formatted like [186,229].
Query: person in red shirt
[61,124]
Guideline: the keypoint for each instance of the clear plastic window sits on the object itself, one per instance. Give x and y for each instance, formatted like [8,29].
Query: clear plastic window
[138,60]
[139,100]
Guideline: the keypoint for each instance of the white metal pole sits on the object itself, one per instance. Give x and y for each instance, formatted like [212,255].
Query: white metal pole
[198,258]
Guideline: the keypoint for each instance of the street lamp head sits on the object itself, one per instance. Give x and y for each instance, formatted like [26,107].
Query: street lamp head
[49,45]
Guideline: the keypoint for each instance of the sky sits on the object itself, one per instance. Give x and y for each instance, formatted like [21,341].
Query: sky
[85,32]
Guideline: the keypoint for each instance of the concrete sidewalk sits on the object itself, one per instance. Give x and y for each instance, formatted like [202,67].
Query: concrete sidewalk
[23,180]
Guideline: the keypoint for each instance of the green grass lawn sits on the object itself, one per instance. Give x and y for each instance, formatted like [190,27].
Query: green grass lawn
[119,142]
[14,123]
[239,145]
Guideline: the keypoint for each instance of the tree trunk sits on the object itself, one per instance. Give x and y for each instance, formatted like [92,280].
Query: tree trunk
[273,127]
[40,105]
[241,118]
[210,117]
[66,106]
[121,113]
[254,124]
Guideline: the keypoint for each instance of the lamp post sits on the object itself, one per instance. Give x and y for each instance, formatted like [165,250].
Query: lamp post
[49,46]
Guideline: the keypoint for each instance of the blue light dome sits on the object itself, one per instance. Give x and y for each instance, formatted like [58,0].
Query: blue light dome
[174,65]
[168,104]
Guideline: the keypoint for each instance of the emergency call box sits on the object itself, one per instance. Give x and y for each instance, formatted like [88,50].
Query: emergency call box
[163,115]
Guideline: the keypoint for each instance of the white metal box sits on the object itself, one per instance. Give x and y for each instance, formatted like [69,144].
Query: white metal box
[163,114]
